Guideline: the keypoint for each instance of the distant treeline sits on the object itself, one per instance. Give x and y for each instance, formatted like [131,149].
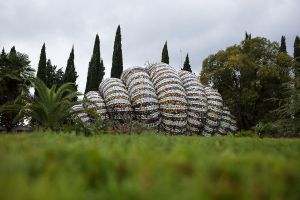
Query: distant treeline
[257,78]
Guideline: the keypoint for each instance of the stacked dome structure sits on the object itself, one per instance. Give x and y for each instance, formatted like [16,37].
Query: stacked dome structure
[158,95]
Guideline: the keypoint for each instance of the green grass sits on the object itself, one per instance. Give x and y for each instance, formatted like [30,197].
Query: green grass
[65,166]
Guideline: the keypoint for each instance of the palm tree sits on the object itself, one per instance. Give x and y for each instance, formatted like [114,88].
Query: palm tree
[49,108]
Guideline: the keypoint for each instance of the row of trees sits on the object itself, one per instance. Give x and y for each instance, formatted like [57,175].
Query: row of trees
[96,70]
[48,73]
[15,70]
[165,58]
[258,80]
[15,73]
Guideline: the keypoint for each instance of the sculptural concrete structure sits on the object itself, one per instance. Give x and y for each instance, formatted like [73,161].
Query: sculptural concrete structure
[158,95]
[142,95]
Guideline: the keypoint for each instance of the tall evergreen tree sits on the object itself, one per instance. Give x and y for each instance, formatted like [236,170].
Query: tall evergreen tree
[296,47]
[102,72]
[4,63]
[186,65]
[3,59]
[70,74]
[59,75]
[165,54]
[247,36]
[42,67]
[96,68]
[297,62]
[296,100]
[117,59]
[13,52]
[3,52]
[289,111]
[283,44]
[51,73]
[89,79]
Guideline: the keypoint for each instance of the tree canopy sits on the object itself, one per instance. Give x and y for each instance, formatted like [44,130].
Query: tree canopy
[49,109]
[14,71]
[252,78]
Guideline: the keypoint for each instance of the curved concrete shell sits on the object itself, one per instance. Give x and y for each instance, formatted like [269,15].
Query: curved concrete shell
[142,95]
[116,98]
[96,102]
[171,97]
[196,101]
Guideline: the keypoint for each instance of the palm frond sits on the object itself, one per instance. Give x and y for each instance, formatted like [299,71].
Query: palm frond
[49,108]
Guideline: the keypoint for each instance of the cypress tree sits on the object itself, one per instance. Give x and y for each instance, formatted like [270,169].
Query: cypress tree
[247,36]
[117,59]
[283,45]
[50,74]
[89,78]
[296,96]
[186,65]
[3,52]
[13,51]
[165,54]
[59,75]
[42,67]
[297,47]
[70,74]
[102,68]
[297,61]
[96,68]
[3,59]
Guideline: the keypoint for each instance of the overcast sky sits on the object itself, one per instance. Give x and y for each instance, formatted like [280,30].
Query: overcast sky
[197,27]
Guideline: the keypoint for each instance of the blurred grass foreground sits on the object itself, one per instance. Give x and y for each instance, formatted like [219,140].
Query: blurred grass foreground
[66,166]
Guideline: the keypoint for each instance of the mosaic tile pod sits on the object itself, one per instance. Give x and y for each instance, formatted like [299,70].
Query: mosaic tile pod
[158,95]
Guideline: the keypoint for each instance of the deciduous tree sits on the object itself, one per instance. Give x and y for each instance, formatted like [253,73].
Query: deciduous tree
[14,71]
[252,78]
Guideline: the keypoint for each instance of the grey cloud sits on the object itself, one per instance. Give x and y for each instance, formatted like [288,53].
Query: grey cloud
[197,27]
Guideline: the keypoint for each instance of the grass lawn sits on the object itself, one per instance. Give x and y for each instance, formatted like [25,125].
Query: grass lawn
[148,166]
